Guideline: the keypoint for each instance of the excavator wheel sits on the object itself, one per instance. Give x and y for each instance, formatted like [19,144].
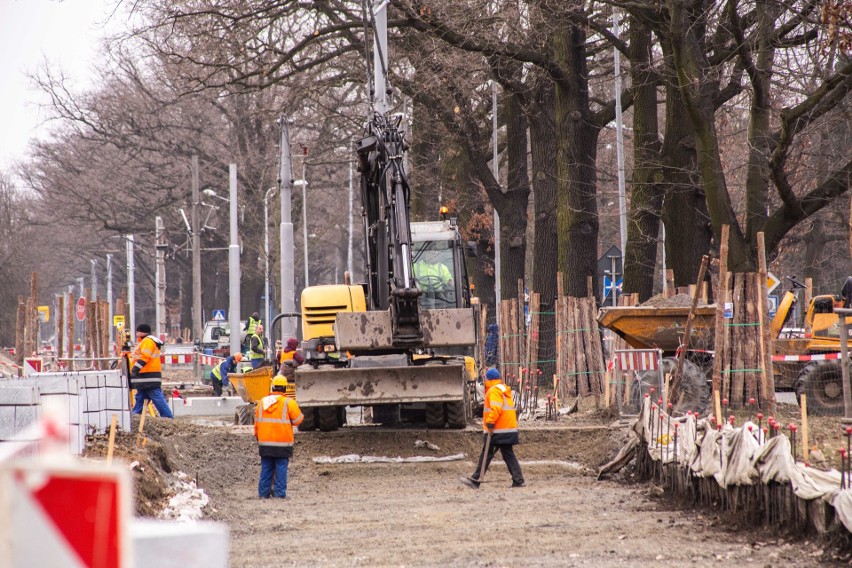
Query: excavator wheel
[456,415]
[435,415]
[309,422]
[694,391]
[244,415]
[823,383]
[328,418]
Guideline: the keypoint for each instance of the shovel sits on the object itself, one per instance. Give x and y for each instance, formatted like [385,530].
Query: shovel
[468,481]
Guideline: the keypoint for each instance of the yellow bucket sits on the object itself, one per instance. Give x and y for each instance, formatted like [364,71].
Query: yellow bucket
[253,385]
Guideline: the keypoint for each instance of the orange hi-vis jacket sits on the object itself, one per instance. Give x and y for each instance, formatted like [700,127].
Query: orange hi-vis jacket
[499,410]
[274,419]
[147,364]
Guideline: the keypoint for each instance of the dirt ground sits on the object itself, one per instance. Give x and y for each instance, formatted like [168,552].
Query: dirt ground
[419,514]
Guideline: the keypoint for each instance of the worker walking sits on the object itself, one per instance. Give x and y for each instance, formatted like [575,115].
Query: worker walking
[146,373]
[500,424]
[256,353]
[219,374]
[274,418]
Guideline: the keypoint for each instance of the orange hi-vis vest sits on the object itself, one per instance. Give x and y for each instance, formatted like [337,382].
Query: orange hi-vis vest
[147,361]
[274,419]
[499,410]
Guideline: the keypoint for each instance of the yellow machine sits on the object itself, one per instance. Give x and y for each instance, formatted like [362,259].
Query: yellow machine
[320,306]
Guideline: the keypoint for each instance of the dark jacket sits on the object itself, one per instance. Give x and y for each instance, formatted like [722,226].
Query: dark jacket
[492,340]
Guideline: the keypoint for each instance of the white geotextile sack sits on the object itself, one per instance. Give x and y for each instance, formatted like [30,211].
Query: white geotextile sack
[739,446]
[842,503]
[708,460]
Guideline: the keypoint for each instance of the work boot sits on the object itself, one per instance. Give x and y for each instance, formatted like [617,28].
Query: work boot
[518,484]
[470,482]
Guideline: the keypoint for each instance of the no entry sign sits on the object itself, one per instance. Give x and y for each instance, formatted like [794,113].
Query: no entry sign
[81,308]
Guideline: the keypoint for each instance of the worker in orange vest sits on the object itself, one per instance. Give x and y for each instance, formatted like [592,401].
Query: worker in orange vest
[290,352]
[146,373]
[500,425]
[274,418]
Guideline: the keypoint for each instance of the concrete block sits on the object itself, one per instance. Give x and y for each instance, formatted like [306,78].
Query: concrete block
[116,399]
[178,545]
[91,381]
[115,379]
[26,416]
[94,399]
[56,385]
[94,421]
[7,422]
[206,406]
[15,395]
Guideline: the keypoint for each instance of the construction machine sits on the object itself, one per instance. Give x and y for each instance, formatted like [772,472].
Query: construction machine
[806,362]
[396,344]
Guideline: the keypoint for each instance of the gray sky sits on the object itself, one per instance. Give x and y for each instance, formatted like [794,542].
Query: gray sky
[65,34]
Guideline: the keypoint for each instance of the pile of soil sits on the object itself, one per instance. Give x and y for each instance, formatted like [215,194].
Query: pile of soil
[676,301]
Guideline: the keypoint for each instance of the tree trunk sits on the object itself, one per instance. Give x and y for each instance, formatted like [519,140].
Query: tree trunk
[543,151]
[646,196]
[576,153]
[513,219]
[688,229]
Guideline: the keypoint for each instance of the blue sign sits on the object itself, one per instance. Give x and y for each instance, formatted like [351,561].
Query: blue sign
[607,286]
[218,315]
[773,305]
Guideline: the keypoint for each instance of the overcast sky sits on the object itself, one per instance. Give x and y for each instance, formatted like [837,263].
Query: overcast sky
[65,34]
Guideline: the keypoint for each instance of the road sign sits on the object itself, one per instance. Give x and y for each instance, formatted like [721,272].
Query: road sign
[32,365]
[118,321]
[607,288]
[81,309]
[605,266]
[218,315]
[44,314]
[773,305]
[772,282]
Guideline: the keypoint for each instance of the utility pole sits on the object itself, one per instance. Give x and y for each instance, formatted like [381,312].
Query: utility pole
[619,145]
[285,183]
[94,262]
[495,165]
[234,265]
[196,254]
[349,261]
[109,293]
[160,301]
[131,285]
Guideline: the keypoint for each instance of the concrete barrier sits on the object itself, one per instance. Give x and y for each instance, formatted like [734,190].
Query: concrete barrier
[205,406]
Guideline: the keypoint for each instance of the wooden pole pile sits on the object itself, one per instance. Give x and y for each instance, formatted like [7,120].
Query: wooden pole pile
[743,348]
[511,338]
[580,364]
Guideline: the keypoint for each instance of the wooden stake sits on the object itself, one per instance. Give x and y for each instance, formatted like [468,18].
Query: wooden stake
[767,382]
[666,391]
[809,294]
[717,404]
[111,445]
[139,436]
[670,287]
[803,402]
[607,378]
[721,298]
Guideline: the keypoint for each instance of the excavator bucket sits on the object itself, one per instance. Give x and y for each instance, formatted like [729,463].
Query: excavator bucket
[365,331]
[379,385]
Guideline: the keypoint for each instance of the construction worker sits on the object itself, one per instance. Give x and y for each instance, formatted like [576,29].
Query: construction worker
[145,373]
[291,353]
[250,327]
[219,374]
[500,424]
[274,418]
[431,274]
[256,353]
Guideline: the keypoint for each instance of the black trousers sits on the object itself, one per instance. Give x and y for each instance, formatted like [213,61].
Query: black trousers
[508,453]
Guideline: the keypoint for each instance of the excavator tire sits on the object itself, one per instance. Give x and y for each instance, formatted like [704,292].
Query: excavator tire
[328,418]
[456,415]
[695,393]
[435,415]
[244,415]
[822,381]
[309,422]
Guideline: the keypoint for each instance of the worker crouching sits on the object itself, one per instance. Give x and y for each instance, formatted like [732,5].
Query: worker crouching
[274,418]
[500,424]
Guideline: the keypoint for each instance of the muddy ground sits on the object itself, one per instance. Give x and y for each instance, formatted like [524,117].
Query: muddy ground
[419,514]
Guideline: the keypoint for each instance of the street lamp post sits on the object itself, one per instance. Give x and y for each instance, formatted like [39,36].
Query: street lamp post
[267,316]
[304,184]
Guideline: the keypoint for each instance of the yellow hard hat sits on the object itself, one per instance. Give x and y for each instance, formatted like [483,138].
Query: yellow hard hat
[279,381]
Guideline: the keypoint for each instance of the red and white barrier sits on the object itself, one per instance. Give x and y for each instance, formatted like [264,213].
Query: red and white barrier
[637,360]
[815,357]
[183,359]
[211,360]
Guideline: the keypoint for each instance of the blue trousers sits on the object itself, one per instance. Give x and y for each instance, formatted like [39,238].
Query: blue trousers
[157,398]
[273,468]
[255,363]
